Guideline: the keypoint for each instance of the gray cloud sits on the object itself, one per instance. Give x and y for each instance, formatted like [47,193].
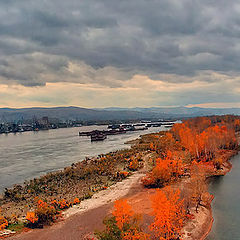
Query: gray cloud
[38,39]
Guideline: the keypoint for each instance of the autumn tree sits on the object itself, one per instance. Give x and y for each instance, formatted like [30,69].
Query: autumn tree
[163,143]
[124,225]
[237,124]
[122,212]
[166,143]
[169,214]
[198,187]
[134,234]
[203,139]
[166,169]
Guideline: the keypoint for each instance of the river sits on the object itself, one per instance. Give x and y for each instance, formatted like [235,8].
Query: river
[28,155]
[226,204]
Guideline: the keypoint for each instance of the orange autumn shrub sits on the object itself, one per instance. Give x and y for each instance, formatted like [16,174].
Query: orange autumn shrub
[76,201]
[166,170]
[133,165]
[3,223]
[123,174]
[169,214]
[135,234]
[124,225]
[148,180]
[63,204]
[54,203]
[122,212]
[45,212]
[152,146]
[31,217]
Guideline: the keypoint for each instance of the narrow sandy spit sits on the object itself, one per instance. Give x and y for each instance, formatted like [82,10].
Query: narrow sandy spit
[200,226]
[111,194]
[103,197]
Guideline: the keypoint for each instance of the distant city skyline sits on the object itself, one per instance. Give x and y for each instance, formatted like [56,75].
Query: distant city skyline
[138,53]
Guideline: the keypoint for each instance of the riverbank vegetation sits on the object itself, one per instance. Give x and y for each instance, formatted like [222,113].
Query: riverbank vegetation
[60,190]
[185,157]
[189,153]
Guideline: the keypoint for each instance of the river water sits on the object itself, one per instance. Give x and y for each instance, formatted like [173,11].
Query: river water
[27,155]
[226,204]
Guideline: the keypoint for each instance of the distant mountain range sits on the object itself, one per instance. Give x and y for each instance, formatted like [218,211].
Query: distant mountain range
[68,113]
[183,111]
[103,114]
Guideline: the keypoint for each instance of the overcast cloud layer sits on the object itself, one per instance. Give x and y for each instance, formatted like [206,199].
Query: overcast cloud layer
[108,53]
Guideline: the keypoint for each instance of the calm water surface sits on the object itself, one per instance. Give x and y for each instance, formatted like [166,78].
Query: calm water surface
[226,205]
[31,154]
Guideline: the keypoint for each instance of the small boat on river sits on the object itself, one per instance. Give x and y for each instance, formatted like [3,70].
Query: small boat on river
[98,136]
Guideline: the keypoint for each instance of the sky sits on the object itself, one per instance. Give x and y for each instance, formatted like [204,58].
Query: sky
[125,53]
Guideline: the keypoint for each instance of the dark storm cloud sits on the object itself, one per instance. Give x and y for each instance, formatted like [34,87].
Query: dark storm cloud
[147,37]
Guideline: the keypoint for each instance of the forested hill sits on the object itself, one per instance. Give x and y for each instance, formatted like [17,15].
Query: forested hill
[84,114]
